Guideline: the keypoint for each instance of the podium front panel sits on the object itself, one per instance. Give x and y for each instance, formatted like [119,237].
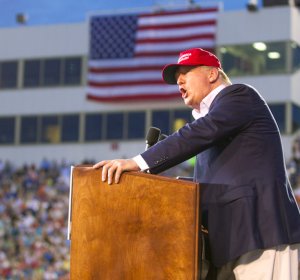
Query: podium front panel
[145,227]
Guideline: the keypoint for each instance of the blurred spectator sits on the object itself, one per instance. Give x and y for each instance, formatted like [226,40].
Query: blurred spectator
[293,168]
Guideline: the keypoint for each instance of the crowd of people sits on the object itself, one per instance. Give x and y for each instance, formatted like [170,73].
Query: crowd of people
[34,212]
[33,221]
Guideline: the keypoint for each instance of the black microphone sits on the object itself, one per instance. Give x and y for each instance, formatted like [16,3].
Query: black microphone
[152,137]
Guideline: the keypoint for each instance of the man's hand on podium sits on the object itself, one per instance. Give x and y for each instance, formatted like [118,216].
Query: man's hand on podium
[114,168]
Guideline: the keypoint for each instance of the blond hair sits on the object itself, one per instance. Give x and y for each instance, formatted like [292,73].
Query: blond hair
[224,77]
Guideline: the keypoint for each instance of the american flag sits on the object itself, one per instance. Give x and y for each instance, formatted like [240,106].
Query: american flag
[129,51]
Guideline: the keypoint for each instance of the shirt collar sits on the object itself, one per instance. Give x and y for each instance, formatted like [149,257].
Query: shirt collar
[206,102]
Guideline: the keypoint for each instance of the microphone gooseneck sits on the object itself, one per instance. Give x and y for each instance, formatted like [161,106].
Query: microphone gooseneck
[162,137]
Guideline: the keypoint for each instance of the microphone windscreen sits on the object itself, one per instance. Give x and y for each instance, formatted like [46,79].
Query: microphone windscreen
[152,135]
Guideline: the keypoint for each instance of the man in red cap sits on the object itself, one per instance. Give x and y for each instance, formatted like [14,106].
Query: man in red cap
[247,203]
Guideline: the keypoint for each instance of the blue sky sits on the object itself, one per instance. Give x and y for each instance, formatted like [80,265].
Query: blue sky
[41,12]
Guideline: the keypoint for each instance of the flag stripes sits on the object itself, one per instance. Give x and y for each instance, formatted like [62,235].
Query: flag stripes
[128,52]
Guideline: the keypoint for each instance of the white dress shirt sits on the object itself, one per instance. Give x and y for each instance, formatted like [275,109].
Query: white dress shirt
[203,110]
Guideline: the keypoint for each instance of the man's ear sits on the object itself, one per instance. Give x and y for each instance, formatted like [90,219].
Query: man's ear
[213,74]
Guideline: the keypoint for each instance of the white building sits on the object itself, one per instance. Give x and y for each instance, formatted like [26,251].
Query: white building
[44,112]
[259,49]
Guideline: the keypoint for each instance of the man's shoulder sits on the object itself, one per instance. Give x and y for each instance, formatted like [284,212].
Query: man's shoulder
[244,93]
[240,90]
[239,87]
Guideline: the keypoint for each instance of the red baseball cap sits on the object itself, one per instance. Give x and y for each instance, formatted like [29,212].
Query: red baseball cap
[192,57]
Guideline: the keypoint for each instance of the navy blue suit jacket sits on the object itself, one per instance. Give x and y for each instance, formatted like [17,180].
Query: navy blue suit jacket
[246,199]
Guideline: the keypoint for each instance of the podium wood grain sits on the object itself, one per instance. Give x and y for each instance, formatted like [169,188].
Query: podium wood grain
[145,227]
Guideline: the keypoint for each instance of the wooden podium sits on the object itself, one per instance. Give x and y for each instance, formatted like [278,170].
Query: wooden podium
[145,227]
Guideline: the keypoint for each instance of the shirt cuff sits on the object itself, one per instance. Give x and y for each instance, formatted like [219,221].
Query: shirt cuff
[141,162]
